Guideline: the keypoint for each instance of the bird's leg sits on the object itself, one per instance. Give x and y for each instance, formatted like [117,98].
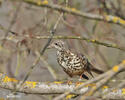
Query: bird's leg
[69,82]
[80,78]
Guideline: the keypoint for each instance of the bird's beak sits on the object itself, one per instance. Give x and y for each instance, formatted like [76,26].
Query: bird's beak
[49,47]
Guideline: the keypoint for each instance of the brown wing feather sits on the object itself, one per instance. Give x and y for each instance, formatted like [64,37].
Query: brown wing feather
[89,67]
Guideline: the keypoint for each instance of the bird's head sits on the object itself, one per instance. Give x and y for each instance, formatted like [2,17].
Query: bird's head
[59,45]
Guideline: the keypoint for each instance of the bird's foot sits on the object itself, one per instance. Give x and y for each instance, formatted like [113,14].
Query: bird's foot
[80,78]
[69,82]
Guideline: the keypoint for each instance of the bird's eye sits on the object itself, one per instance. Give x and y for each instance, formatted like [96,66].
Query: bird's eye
[56,44]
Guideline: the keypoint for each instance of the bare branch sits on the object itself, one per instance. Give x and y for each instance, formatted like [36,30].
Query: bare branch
[52,32]
[72,37]
[13,20]
[108,18]
[47,88]
[105,77]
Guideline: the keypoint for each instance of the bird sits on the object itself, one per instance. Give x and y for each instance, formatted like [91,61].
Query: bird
[74,64]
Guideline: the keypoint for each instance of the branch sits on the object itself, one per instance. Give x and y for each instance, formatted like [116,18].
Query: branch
[47,88]
[81,38]
[110,74]
[50,69]
[13,38]
[108,18]
[52,32]
[31,87]
[59,87]
[105,77]
[13,20]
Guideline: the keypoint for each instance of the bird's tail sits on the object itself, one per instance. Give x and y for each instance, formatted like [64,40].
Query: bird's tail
[97,70]
[92,68]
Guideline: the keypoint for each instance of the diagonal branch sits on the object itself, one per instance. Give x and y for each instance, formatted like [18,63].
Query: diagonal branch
[105,77]
[108,18]
[52,32]
[13,20]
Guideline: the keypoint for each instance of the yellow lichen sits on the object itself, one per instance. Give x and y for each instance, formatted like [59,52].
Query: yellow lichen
[69,82]
[105,87]
[7,79]
[115,19]
[73,9]
[111,18]
[11,37]
[123,61]
[13,80]
[93,40]
[70,96]
[45,2]
[123,91]
[107,18]
[78,83]
[122,21]
[1,47]
[92,85]
[31,84]
[58,82]
[39,2]
[115,68]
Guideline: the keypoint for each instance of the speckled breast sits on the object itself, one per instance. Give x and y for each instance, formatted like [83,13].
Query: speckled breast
[70,62]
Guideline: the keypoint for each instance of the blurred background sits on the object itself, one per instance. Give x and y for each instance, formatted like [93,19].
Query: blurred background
[19,19]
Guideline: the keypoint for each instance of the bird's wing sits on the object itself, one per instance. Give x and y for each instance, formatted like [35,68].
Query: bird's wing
[89,67]
[86,64]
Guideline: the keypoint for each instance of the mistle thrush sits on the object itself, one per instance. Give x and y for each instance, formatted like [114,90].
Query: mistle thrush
[73,64]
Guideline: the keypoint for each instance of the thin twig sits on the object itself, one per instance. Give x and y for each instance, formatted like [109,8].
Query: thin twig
[13,20]
[52,32]
[68,37]
[80,38]
[108,18]
[52,71]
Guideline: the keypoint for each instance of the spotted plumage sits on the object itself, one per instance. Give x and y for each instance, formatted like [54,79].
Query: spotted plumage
[73,64]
